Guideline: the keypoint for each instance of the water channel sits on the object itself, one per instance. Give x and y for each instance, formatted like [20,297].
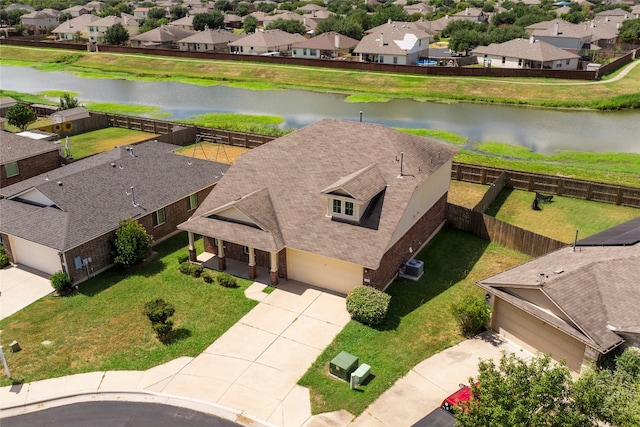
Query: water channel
[542,130]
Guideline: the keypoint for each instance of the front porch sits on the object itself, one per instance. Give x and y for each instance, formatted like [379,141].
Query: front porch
[234,267]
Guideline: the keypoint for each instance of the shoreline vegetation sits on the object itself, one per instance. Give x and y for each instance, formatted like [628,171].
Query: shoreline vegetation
[362,86]
[607,167]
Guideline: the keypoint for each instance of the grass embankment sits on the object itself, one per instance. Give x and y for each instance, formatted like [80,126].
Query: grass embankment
[101,326]
[419,324]
[250,123]
[561,218]
[623,93]
[100,140]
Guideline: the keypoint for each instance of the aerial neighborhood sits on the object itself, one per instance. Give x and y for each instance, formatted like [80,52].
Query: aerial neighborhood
[340,273]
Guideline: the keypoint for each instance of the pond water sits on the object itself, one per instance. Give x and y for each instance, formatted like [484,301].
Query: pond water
[542,130]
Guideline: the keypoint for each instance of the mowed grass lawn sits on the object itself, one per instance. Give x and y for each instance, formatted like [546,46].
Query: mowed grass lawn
[419,323]
[97,141]
[561,218]
[101,326]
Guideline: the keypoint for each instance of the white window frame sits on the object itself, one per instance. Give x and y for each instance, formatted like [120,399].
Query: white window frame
[156,217]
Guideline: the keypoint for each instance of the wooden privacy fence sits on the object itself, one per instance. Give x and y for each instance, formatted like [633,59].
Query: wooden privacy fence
[488,228]
[491,194]
[568,187]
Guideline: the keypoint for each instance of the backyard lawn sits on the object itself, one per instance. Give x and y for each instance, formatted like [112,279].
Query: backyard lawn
[465,194]
[419,324]
[97,141]
[561,218]
[101,326]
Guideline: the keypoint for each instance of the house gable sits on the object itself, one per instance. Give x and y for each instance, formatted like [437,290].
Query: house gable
[35,197]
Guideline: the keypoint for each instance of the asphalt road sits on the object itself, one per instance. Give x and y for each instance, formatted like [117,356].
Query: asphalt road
[116,414]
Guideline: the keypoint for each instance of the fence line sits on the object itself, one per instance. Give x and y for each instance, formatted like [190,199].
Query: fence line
[489,228]
[492,193]
[567,187]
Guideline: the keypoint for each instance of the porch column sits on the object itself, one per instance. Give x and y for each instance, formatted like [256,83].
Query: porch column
[252,263]
[192,248]
[222,261]
[273,271]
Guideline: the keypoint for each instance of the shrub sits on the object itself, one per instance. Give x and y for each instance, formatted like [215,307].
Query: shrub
[207,277]
[227,280]
[158,311]
[191,269]
[368,305]
[131,244]
[472,314]
[182,258]
[61,282]
[4,258]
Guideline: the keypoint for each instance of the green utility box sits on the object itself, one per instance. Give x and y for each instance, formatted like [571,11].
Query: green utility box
[343,365]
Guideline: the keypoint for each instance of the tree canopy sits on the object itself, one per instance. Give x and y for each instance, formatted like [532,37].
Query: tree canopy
[68,102]
[212,20]
[21,116]
[289,25]
[116,34]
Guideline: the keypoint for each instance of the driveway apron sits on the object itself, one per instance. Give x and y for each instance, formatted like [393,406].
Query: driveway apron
[19,287]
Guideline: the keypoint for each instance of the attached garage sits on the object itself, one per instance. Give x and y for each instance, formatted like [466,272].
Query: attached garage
[35,256]
[324,272]
[535,335]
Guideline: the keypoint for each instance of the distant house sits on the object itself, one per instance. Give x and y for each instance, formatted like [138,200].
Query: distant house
[473,14]
[186,23]
[571,37]
[98,29]
[164,36]
[521,53]
[327,45]
[75,27]
[575,304]
[336,204]
[140,13]
[232,21]
[394,43]
[209,41]
[64,220]
[41,20]
[69,115]
[6,102]
[265,42]
[77,10]
[23,158]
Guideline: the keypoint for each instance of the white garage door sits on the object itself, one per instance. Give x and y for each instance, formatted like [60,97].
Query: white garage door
[323,272]
[535,335]
[35,256]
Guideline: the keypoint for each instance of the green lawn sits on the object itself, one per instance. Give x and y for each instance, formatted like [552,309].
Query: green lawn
[419,324]
[101,327]
[561,218]
[97,141]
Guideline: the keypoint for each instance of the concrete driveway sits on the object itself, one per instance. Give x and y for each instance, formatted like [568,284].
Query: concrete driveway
[19,287]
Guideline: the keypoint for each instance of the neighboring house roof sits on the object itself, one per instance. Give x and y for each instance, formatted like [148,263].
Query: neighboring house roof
[286,15]
[7,101]
[107,21]
[76,24]
[268,39]
[282,188]
[230,18]
[391,40]
[627,233]
[212,37]
[40,14]
[328,41]
[15,147]
[311,7]
[603,30]
[70,114]
[558,28]
[525,49]
[92,199]
[470,12]
[595,290]
[612,12]
[17,6]
[258,15]
[163,34]
[186,21]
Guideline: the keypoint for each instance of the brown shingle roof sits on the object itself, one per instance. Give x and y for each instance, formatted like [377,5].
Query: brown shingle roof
[327,41]
[295,168]
[268,39]
[212,37]
[525,49]
[15,147]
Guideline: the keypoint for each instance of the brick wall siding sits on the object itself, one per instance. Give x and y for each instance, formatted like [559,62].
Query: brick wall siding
[31,167]
[98,249]
[236,252]
[399,253]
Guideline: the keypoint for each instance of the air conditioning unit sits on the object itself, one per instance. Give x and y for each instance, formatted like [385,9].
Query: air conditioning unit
[414,267]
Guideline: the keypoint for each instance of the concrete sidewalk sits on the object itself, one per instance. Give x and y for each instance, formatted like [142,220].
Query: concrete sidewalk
[19,287]
[248,374]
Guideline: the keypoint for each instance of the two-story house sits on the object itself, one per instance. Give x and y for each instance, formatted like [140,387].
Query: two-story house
[574,38]
[401,43]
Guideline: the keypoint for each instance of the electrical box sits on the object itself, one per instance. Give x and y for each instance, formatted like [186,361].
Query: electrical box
[343,365]
[360,375]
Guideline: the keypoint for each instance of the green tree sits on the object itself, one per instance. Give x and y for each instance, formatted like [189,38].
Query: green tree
[14,16]
[289,25]
[212,20]
[340,24]
[156,13]
[68,102]
[158,311]
[178,12]
[630,31]
[242,9]
[21,116]
[266,7]
[519,393]
[387,12]
[250,24]
[223,5]
[116,34]
[131,243]
[64,17]
[472,314]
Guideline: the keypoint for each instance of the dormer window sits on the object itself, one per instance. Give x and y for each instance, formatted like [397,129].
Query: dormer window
[343,209]
[348,208]
[337,206]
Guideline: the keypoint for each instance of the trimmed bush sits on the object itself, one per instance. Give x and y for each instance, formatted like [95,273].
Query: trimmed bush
[207,277]
[158,311]
[132,243]
[61,282]
[368,305]
[227,280]
[191,269]
[182,258]
[4,258]
[472,314]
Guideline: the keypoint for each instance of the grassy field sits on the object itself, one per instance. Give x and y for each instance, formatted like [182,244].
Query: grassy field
[100,140]
[365,85]
[419,324]
[250,123]
[465,193]
[561,218]
[101,327]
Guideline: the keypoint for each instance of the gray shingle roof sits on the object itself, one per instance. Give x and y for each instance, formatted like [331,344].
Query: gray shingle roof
[165,33]
[564,29]
[327,41]
[525,49]
[92,198]
[391,40]
[15,147]
[294,170]
[268,39]
[593,286]
[212,37]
